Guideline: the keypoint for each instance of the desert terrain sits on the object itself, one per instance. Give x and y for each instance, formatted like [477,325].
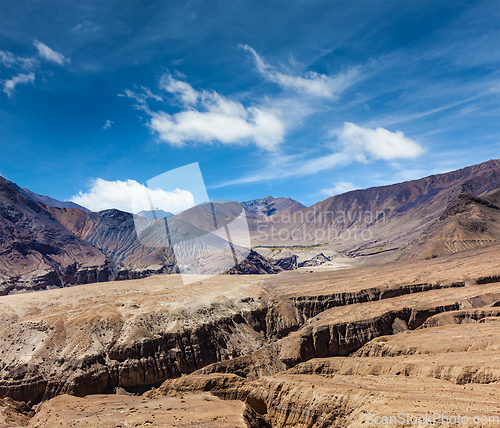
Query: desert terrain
[297,349]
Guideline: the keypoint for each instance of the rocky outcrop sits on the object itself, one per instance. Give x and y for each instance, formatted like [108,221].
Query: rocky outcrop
[287,315]
[254,264]
[13,413]
[315,261]
[286,263]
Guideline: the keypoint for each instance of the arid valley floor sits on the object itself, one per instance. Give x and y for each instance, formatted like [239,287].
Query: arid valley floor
[297,349]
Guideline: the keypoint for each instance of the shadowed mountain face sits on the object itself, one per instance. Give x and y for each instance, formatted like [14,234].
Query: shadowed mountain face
[387,216]
[37,252]
[113,232]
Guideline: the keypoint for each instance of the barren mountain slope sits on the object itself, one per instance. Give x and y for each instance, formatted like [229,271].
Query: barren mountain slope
[467,222]
[36,252]
[392,214]
[114,233]
[50,202]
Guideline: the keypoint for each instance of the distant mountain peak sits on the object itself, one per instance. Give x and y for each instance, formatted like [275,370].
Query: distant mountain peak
[155,214]
[270,205]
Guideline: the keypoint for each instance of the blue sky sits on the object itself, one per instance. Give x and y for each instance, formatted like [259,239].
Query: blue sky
[290,98]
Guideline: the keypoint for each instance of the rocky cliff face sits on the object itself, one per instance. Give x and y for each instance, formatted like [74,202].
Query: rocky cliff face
[93,343]
[449,367]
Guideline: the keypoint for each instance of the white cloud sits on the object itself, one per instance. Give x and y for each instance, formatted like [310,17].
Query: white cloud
[380,143]
[50,55]
[87,27]
[186,92]
[142,98]
[208,117]
[10,85]
[118,194]
[107,125]
[10,60]
[311,83]
[354,144]
[338,188]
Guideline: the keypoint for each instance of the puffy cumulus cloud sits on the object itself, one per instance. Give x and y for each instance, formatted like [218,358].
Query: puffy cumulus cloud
[378,143]
[209,117]
[50,55]
[311,83]
[132,196]
[10,84]
[338,188]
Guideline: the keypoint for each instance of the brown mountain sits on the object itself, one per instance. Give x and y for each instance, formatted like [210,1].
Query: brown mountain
[378,217]
[50,202]
[37,252]
[467,222]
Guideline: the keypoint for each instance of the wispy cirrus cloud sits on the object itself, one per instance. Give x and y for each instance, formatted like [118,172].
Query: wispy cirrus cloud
[311,83]
[26,66]
[178,87]
[107,125]
[10,60]
[9,85]
[209,117]
[50,55]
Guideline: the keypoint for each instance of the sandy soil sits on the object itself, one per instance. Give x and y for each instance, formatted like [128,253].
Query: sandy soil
[119,411]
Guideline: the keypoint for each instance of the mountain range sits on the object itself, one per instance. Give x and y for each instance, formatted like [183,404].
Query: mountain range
[45,243]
